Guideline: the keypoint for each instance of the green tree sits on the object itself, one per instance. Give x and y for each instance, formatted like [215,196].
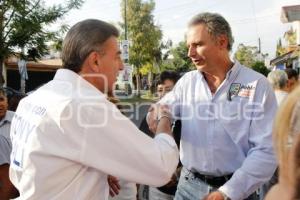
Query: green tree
[260,67]
[23,26]
[290,37]
[246,55]
[280,50]
[178,59]
[144,35]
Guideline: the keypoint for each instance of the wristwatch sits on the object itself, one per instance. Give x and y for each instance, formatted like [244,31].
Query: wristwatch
[225,197]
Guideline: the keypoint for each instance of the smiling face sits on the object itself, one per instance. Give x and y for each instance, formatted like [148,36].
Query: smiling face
[3,105]
[203,49]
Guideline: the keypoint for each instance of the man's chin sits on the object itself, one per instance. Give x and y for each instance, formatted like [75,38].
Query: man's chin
[200,68]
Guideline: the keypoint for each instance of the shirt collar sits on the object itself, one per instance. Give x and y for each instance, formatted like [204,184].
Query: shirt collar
[77,82]
[231,74]
[7,118]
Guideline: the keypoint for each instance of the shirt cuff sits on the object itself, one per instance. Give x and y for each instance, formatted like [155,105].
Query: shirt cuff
[227,191]
[166,137]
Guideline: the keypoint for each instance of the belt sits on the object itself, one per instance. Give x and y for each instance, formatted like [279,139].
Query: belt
[214,181]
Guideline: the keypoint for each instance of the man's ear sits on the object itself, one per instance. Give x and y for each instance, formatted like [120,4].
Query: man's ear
[223,41]
[94,61]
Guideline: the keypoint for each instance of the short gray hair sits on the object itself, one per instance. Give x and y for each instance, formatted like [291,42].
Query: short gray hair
[83,38]
[278,79]
[216,25]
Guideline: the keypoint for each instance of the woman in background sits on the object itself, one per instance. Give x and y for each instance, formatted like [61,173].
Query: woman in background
[287,146]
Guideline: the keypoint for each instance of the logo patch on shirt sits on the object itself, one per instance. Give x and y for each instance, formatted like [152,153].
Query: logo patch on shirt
[246,91]
[234,89]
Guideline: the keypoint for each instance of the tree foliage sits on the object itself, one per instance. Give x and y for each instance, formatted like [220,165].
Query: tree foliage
[260,67]
[23,26]
[246,55]
[290,37]
[280,50]
[290,40]
[144,35]
[178,59]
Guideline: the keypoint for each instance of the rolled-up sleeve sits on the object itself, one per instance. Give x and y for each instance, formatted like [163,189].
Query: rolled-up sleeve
[260,162]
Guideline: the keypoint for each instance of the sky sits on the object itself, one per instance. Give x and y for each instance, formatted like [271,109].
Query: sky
[249,19]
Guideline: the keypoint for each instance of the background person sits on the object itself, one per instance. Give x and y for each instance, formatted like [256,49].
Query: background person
[7,190]
[279,82]
[293,79]
[168,80]
[165,84]
[286,136]
[225,153]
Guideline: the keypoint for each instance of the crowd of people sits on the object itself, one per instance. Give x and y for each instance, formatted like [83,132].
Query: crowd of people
[69,140]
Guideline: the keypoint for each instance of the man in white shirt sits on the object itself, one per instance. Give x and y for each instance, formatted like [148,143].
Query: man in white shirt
[67,136]
[7,190]
[226,111]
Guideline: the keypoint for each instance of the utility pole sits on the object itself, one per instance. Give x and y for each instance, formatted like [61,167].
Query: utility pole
[125,49]
[259,46]
[125,11]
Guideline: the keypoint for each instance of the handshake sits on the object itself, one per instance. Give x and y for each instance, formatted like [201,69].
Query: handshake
[160,119]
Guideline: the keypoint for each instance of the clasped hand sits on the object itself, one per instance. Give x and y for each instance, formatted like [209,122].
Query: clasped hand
[154,113]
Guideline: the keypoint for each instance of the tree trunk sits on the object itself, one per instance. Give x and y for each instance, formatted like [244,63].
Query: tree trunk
[138,84]
[150,81]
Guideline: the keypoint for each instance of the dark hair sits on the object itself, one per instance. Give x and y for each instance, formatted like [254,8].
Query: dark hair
[216,25]
[83,38]
[171,75]
[291,73]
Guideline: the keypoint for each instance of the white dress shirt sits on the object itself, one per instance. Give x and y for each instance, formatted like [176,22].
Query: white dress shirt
[67,137]
[227,132]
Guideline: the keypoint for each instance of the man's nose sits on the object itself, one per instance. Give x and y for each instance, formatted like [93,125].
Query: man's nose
[191,51]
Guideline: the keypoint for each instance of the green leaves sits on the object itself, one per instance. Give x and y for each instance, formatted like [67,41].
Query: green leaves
[246,55]
[251,57]
[24,25]
[178,59]
[144,35]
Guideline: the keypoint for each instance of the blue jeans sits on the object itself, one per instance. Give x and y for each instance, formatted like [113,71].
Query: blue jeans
[191,188]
